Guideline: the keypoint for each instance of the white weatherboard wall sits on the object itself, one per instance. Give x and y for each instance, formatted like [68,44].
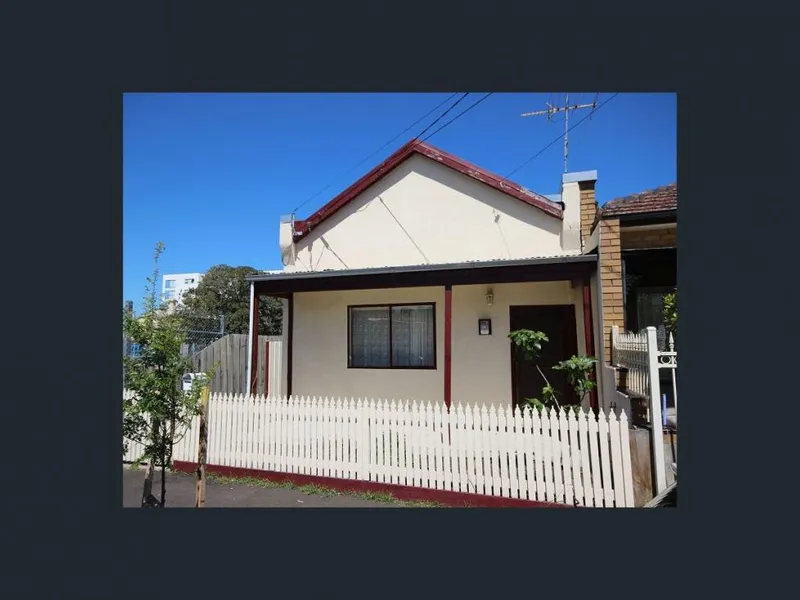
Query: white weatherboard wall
[424,212]
[481,365]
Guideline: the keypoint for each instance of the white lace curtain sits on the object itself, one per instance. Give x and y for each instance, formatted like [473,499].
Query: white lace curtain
[396,336]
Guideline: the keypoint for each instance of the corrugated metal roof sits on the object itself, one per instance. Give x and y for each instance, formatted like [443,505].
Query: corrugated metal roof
[574,257]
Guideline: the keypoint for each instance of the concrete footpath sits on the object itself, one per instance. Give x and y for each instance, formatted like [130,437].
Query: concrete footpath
[181,493]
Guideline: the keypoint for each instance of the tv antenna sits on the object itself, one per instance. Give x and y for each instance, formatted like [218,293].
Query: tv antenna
[551,110]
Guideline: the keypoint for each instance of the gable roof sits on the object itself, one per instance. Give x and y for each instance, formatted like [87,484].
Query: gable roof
[660,199]
[303,227]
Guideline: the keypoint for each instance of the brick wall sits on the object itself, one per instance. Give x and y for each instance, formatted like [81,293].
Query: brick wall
[589,208]
[650,238]
[610,280]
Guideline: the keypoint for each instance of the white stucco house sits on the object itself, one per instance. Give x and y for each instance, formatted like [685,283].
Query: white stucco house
[407,284]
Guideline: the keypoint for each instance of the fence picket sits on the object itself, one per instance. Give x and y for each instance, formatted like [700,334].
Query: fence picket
[261,452]
[516,448]
[449,456]
[297,432]
[575,457]
[594,450]
[627,474]
[457,447]
[502,454]
[424,446]
[272,409]
[566,459]
[608,492]
[283,436]
[526,444]
[474,480]
[547,455]
[616,460]
[388,439]
[583,446]
[288,437]
[336,429]
[352,437]
[438,441]
[402,445]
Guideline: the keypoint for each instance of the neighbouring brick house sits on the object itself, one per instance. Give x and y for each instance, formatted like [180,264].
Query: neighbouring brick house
[637,240]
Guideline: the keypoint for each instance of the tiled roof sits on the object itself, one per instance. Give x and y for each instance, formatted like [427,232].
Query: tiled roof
[660,199]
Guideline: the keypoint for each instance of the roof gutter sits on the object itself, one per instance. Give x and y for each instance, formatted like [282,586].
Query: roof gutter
[558,260]
[661,216]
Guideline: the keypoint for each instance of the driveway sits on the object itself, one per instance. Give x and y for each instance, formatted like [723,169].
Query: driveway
[181,493]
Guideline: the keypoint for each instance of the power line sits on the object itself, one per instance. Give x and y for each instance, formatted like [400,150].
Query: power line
[439,118]
[415,123]
[459,115]
[560,137]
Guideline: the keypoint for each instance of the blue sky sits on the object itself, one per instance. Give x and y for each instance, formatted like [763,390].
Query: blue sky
[211,174]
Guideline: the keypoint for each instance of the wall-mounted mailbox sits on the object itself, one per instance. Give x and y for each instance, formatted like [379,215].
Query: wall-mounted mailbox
[484,327]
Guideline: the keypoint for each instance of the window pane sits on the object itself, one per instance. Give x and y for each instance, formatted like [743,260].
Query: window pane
[650,309]
[412,336]
[369,337]
[169,283]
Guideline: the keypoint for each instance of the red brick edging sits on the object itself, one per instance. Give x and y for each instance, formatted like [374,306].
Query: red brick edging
[401,492]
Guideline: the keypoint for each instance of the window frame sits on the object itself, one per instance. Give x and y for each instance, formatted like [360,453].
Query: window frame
[390,367]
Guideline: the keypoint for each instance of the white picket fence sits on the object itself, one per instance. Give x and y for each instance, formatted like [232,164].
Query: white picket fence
[555,457]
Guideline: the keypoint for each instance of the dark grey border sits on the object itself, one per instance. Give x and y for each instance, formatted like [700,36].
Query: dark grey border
[64,529]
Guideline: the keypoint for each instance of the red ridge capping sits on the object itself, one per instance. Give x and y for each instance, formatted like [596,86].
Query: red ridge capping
[303,227]
[401,492]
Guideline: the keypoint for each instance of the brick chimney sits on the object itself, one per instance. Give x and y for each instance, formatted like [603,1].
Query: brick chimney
[580,208]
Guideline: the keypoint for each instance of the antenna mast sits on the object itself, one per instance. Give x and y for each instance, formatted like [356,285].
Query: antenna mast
[552,110]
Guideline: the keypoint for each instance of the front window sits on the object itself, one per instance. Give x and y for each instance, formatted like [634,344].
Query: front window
[169,284]
[169,294]
[188,281]
[392,337]
[650,308]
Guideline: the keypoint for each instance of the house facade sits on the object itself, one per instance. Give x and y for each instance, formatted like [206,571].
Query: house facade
[637,246]
[407,284]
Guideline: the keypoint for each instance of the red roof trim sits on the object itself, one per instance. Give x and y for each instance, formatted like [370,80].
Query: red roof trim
[303,227]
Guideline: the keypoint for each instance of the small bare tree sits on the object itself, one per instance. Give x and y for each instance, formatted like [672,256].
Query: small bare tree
[159,411]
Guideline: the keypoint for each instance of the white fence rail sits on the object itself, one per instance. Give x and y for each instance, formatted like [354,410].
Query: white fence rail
[642,356]
[555,457]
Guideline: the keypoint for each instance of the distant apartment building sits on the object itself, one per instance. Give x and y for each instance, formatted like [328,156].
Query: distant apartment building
[174,286]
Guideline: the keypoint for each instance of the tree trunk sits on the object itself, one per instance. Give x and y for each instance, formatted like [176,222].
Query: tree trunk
[164,466]
[148,500]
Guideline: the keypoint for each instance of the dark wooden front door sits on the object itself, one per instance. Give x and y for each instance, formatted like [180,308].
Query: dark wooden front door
[558,323]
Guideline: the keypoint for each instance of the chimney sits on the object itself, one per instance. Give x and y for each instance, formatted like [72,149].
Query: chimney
[580,208]
[286,240]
